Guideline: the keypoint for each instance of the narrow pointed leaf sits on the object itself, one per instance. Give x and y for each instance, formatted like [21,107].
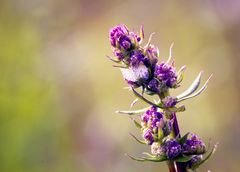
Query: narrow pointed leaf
[112,59]
[183,139]
[180,74]
[139,141]
[170,54]
[134,158]
[156,159]
[118,66]
[194,86]
[148,154]
[149,39]
[142,98]
[132,112]
[134,102]
[198,92]
[141,33]
[138,125]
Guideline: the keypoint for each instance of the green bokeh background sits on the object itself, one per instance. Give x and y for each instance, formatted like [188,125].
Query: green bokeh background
[58,93]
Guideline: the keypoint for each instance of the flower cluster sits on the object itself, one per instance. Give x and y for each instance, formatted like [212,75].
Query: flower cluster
[140,63]
[158,123]
[154,126]
[173,148]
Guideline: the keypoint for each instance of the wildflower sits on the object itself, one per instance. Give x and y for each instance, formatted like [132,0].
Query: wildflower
[172,148]
[166,74]
[148,136]
[122,39]
[194,146]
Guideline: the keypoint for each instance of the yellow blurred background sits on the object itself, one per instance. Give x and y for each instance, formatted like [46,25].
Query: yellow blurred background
[58,93]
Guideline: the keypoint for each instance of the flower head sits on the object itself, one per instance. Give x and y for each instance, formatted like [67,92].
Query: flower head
[121,38]
[172,148]
[148,136]
[152,53]
[194,146]
[166,74]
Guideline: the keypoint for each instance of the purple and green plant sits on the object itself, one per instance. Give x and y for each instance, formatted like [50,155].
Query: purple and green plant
[158,123]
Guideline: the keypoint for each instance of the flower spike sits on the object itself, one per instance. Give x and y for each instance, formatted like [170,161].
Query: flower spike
[157,123]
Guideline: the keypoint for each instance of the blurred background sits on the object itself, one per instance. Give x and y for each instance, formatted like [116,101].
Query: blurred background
[58,93]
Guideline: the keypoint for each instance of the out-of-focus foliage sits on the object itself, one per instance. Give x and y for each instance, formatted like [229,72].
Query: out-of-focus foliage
[58,92]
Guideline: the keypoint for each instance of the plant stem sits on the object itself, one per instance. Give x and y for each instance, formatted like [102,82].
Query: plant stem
[181,167]
[171,166]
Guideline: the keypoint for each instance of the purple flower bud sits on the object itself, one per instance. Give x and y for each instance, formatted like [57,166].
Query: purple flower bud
[152,53]
[116,32]
[153,85]
[120,55]
[194,161]
[148,136]
[167,128]
[137,57]
[194,146]
[172,148]
[166,74]
[169,101]
[121,38]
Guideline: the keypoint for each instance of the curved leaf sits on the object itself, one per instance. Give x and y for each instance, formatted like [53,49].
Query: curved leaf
[196,93]
[132,112]
[137,124]
[194,86]
[139,141]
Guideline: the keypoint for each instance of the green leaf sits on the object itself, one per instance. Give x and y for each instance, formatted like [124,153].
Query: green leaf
[134,158]
[139,141]
[183,139]
[138,125]
[142,159]
[183,158]
[112,59]
[193,87]
[143,98]
[132,112]
[148,154]
[198,92]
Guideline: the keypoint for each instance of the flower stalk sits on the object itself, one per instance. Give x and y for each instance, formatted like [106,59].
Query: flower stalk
[158,123]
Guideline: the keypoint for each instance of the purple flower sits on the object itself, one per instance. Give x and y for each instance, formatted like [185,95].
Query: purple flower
[152,116]
[152,53]
[153,85]
[116,32]
[137,57]
[166,74]
[194,161]
[194,146]
[148,136]
[169,101]
[172,148]
[121,38]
